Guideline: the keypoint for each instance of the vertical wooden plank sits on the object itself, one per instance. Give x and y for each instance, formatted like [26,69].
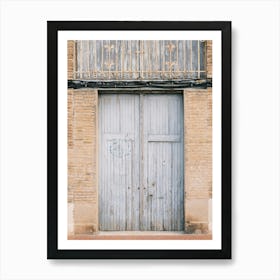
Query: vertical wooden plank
[98,58]
[78,47]
[178,156]
[188,58]
[198,59]
[70,59]
[202,59]
[209,58]
[194,59]
[106,58]
[146,62]
[144,214]
[118,61]
[88,68]
[90,59]
[84,59]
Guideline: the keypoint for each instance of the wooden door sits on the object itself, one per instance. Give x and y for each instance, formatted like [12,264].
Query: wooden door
[141,162]
[119,162]
[162,197]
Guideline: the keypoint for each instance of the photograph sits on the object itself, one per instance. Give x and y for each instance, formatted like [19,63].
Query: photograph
[131,114]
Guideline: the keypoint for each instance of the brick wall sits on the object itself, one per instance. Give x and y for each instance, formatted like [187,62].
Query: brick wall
[198,158]
[82,163]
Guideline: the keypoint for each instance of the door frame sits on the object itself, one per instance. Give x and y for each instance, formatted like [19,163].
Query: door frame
[140,93]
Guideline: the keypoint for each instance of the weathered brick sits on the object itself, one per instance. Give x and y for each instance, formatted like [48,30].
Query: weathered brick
[198,156]
[82,153]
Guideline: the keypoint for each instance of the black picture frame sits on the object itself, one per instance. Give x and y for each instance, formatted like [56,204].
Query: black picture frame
[52,131]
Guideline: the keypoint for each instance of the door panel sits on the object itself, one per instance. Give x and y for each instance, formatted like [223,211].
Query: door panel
[162,174]
[141,162]
[119,162]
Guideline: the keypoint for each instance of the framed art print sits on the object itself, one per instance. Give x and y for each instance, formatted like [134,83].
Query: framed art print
[139,140]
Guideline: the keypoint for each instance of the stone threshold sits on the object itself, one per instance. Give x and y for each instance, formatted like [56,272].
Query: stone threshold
[140,235]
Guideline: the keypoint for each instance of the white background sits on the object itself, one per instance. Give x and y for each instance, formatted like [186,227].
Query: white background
[255,149]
